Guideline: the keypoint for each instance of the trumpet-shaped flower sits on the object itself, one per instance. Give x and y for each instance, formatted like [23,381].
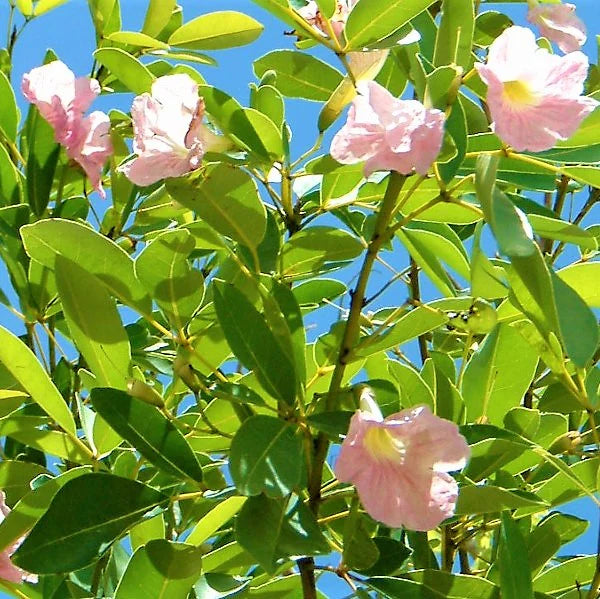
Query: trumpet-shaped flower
[170,139]
[399,465]
[534,96]
[8,571]
[560,24]
[388,133]
[62,100]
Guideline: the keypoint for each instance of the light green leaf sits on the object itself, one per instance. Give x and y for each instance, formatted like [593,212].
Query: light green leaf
[455,35]
[266,456]
[227,199]
[583,278]
[164,270]
[20,361]
[94,323]
[299,75]
[217,30]
[217,517]
[515,576]
[9,113]
[161,570]
[44,6]
[571,574]
[475,499]
[46,239]
[126,68]
[158,16]
[134,38]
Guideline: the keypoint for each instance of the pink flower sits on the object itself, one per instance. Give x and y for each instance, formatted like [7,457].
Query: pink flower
[399,465]
[62,100]
[559,24]
[534,96]
[390,134]
[8,571]
[170,139]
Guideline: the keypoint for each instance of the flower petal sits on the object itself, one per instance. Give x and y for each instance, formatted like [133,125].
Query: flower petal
[559,24]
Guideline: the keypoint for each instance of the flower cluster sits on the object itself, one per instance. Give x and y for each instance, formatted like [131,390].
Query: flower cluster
[62,100]
[8,571]
[399,465]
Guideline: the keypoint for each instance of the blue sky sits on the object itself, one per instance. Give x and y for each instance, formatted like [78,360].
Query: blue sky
[69,32]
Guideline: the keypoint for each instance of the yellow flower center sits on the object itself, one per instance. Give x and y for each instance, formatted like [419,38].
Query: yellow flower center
[518,92]
[383,445]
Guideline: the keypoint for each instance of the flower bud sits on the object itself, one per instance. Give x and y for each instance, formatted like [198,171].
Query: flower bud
[145,392]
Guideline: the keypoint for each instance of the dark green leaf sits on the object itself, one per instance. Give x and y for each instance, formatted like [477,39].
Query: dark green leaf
[515,573]
[142,425]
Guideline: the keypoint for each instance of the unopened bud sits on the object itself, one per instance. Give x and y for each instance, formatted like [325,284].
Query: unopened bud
[185,371]
[145,392]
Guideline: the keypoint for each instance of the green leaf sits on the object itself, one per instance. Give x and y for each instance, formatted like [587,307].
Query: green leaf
[413,389]
[164,270]
[455,34]
[94,323]
[369,23]
[577,323]
[9,179]
[217,30]
[139,40]
[360,551]
[41,162]
[498,375]
[126,68]
[33,506]
[515,575]
[309,249]
[553,228]
[9,113]
[106,15]
[25,7]
[210,523]
[228,200]
[44,6]
[20,361]
[253,343]
[583,279]
[15,478]
[146,429]
[161,570]
[299,75]
[86,515]
[158,16]
[95,253]
[266,456]
[273,528]
[474,499]
[571,574]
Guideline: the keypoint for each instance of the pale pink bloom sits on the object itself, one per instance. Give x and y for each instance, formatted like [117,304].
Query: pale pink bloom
[62,100]
[560,24]
[399,465]
[390,134]
[534,96]
[170,139]
[8,571]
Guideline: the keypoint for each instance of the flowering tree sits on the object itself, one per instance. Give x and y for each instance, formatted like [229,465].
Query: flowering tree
[172,428]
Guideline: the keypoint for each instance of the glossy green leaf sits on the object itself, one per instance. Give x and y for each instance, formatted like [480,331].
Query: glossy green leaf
[9,113]
[41,162]
[9,179]
[486,499]
[33,506]
[94,323]
[20,361]
[126,68]
[164,270]
[161,570]
[413,389]
[560,230]
[311,248]
[44,6]
[455,34]
[228,200]
[253,343]
[217,30]
[299,75]
[498,375]
[266,457]
[272,528]
[515,576]
[95,253]
[571,574]
[583,278]
[157,16]
[368,23]
[78,528]
[210,523]
[25,7]
[145,428]
[139,40]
